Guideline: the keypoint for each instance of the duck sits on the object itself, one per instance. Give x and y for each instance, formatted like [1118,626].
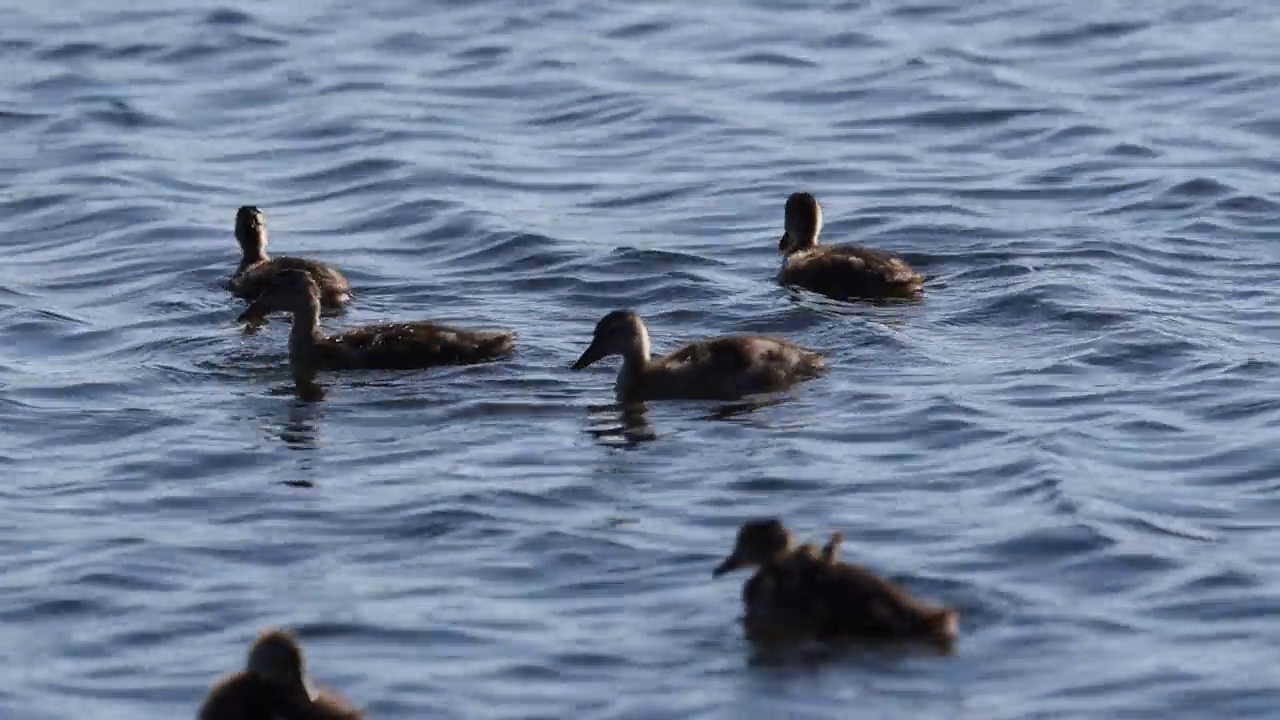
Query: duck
[721,368]
[256,268]
[796,594]
[840,272]
[273,686]
[384,346]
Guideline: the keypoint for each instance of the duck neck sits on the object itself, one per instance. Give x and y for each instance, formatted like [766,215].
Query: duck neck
[251,256]
[305,333]
[635,360]
[804,241]
[253,248]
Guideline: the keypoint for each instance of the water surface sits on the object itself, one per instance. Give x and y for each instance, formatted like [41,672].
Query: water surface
[1071,439]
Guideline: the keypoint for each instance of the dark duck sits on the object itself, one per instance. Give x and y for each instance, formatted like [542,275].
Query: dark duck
[722,368]
[273,686]
[257,269]
[802,594]
[845,272]
[385,346]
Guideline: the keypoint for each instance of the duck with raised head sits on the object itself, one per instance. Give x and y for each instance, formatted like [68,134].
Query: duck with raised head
[257,269]
[841,272]
[722,368]
[798,595]
[384,346]
[273,686]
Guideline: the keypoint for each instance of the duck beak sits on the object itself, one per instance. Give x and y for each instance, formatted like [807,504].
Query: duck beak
[785,242]
[256,311]
[730,564]
[594,352]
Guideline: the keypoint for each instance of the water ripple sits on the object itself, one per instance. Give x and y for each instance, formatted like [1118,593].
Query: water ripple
[1068,438]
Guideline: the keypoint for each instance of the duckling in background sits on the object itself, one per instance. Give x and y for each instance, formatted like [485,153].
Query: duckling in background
[801,596]
[257,269]
[386,346]
[273,686]
[839,272]
[830,553]
[723,368]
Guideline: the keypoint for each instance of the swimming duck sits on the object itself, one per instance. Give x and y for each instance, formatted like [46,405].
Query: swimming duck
[840,272]
[723,368]
[406,345]
[256,268]
[273,686]
[798,595]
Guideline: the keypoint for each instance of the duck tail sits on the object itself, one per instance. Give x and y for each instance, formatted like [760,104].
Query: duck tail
[911,288]
[814,364]
[944,626]
[495,344]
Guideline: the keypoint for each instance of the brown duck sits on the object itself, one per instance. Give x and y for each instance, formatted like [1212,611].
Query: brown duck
[273,686]
[839,272]
[386,346]
[723,368]
[801,595]
[257,269]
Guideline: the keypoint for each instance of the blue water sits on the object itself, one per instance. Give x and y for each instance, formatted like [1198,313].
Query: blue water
[1071,440]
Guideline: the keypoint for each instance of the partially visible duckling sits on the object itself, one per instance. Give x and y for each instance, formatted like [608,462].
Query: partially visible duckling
[273,686]
[831,551]
[829,554]
[257,269]
[840,272]
[723,368]
[804,596]
[406,345]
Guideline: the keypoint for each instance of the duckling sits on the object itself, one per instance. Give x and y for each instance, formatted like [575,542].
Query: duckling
[829,554]
[273,686]
[822,598]
[406,345]
[723,368]
[839,272]
[256,268]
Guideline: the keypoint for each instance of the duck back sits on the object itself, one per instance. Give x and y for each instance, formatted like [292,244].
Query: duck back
[733,366]
[406,346]
[239,697]
[243,696]
[325,706]
[847,272]
[251,282]
[861,604]
[809,597]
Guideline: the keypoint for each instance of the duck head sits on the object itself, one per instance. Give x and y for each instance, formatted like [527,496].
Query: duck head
[251,232]
[831,551]
[802,224]
[276,659]
[289,291]
[619,333]
[759,542]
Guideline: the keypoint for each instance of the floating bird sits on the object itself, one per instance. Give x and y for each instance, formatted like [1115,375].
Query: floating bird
[257,269]
[798,594]
[273,686]
[723,368]
[404,345]
[839,272]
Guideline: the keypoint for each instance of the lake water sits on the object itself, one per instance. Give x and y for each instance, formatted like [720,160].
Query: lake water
[1071,439]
